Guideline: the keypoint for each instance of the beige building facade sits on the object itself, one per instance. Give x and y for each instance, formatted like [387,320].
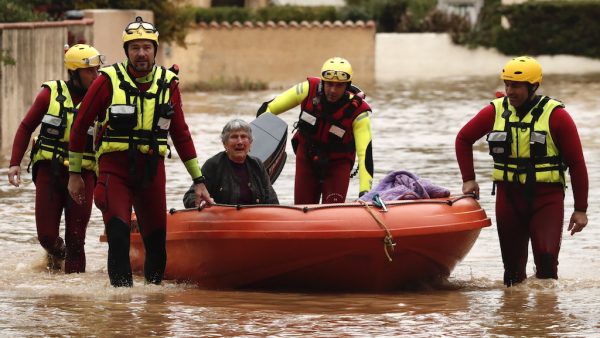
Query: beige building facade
[257,53]
[276,54]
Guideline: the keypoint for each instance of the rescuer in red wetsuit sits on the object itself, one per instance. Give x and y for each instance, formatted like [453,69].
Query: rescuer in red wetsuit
[54,109]
[532,140]
[137,105]
[333,128]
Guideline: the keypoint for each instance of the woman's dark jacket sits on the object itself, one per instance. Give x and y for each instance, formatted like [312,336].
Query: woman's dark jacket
[223,185]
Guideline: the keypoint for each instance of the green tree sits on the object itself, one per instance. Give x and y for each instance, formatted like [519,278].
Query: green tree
[6,58]
[18,11]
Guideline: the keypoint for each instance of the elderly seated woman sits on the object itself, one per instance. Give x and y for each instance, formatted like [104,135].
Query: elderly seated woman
[233,176]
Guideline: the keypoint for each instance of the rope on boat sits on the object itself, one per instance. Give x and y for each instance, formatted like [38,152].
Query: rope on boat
[307,208]
[388,240]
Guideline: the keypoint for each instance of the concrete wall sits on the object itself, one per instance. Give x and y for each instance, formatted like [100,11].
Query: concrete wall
[427,56]
[108,30]
[277,54]
[38,50]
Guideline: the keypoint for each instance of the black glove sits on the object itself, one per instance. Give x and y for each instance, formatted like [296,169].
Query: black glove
[360,194]
[175,69]
[357,91]
[263,108]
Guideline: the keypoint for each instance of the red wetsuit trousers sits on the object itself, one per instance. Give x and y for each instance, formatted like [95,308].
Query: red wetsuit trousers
[311,185]
[51,198]
[124,182]
[520,219]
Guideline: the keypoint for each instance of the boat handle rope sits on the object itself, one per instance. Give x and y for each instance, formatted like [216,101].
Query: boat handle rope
[388,240]
[306,208]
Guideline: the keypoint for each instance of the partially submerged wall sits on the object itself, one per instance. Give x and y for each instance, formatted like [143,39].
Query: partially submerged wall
[37,49]
[276,54]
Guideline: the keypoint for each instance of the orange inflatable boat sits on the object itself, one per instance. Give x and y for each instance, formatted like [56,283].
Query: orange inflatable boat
[337,247]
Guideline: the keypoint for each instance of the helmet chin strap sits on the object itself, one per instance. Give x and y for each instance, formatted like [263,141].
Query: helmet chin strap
[531,89]
[75,79]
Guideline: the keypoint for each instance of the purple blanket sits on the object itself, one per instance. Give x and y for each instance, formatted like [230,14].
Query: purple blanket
[404,185]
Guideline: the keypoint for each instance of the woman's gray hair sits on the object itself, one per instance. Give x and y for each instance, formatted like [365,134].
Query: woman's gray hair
[235,125]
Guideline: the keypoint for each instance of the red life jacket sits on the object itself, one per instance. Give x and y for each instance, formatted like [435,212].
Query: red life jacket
[329,131]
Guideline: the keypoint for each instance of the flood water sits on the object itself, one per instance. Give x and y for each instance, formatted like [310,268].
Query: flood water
[414,127]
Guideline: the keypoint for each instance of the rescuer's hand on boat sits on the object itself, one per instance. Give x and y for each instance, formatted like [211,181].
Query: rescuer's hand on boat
[14,175]
[203,198]
[577,222]
[76,188]
[471,187]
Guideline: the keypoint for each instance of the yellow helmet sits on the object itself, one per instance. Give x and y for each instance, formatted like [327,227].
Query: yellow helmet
[336,69]
[83,56]
[522,69]
[140,30]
